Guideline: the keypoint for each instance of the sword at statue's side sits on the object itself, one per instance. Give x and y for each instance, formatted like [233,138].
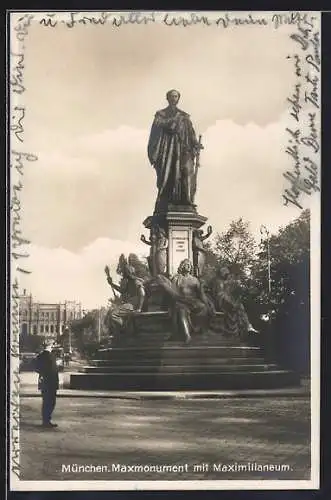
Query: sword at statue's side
[197,158]
[198,148]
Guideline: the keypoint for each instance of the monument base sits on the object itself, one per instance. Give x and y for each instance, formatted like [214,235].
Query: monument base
[147,361]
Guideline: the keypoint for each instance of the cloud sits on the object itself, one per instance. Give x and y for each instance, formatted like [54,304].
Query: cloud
[99,186]
[58,274]
[89,79]
[102,186]
[242,174]
[90,210]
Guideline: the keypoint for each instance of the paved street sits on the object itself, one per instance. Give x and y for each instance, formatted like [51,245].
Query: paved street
[106,432]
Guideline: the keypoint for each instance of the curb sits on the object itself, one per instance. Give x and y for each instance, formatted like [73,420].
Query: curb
[177,395]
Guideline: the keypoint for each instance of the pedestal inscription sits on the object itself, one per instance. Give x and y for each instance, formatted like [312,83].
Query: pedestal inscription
[179,248]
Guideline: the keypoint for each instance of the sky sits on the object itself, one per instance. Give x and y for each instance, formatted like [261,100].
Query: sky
[91,96]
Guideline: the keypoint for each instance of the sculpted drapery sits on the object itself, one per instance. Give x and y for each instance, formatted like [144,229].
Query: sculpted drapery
[172,149]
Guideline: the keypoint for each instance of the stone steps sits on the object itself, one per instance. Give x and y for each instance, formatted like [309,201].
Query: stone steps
[164,368]
[177,381]
[159,343]
[209,361]
[208,338]
[182,351]
[148,361]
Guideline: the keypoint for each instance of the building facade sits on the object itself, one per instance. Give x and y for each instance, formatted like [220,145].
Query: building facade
[48,320]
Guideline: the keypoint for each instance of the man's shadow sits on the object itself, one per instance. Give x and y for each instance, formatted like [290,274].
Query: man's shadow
[34,426]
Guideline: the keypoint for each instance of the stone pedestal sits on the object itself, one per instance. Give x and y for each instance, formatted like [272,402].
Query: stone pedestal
[147,361]
[179,222]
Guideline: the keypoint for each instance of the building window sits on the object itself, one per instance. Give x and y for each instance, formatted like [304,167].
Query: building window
[47,314]
[52,328]
[41,328]
[63,328]
[35,330]
[46,328]
[57,328]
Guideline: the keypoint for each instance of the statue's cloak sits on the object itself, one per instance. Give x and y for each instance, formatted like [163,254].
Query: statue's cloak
[171,148]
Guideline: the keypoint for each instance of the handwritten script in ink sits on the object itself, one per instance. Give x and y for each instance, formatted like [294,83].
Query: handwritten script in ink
[19,159]
[225,20]
[15,419]
[303,135]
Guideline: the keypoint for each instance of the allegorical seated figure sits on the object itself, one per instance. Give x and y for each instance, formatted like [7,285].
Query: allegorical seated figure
[226,293]
[189,306]
[131,288]
[132,297]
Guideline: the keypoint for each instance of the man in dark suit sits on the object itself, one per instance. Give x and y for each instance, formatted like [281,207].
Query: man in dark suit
[48,383]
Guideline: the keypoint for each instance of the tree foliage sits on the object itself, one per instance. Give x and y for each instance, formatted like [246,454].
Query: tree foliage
[289,254]
[211,262]
[31,343]
[287,305]
[84,330]
[235,248]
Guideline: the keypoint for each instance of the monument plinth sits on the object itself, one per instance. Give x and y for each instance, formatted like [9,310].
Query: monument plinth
[179,225]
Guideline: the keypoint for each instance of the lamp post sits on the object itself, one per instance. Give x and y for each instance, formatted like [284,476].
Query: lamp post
[266,236]
[99,324]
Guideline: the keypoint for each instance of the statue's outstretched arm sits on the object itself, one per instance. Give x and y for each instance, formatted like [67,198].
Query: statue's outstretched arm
[110,280]
[209,232]
[116,287]
[143,239]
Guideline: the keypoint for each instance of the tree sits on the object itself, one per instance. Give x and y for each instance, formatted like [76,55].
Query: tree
[211,262]
[289,260]
[84,330]
[31,343]
[289,299]
[236,248]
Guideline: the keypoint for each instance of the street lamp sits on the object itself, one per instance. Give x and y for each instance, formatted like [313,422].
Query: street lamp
[266,235]
[99,324]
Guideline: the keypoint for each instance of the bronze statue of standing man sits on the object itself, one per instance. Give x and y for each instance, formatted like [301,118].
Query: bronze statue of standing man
[173,150]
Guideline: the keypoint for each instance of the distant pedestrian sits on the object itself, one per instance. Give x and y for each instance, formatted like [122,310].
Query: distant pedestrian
[66,358]
[48,383]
